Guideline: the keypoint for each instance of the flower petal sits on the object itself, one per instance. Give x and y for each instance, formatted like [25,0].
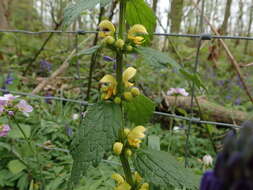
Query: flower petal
[108,79]
[127,75]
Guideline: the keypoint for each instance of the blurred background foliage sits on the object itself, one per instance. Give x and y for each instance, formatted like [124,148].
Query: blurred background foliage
[52,124]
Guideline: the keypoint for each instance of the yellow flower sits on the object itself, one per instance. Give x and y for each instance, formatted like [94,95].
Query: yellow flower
[137,177]
[106,28]
[118,178]
[135,33]
[111,89]
[144,186]
[112,86]
[127,75]
[135,135]
[117,148]
[121,183]
[123,186]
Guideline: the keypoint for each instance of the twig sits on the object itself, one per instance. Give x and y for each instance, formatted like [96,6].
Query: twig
[60,70]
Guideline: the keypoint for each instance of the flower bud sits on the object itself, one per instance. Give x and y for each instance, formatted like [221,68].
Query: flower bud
[118,178]
[109,40]
[103,96]
[120,43]
[117,148]
[137,177]
[126,131]
[144,186]
[129,48]
[117,100]
[128,96]
[135,91]
[128,152]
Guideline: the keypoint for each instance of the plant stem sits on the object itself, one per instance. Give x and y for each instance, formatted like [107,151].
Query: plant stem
[33,151]
[119,71]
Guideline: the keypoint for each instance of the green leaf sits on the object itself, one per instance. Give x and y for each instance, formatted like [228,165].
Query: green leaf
[89,51]
[95,137]
[75,9]
[16,133]
[154,142]
[193,77]
[156,58]
[138,12]
[139,109]
[15,166]
[163,170]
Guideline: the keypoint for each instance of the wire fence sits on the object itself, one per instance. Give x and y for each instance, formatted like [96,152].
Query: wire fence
[190,119]
[204,36]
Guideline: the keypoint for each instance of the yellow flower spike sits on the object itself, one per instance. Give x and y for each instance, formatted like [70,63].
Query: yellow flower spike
[127,75]
[112,85]
[135,135]
[135,33]
[123,186]
[118,178]
[117,148]
[106,28]
[137,177]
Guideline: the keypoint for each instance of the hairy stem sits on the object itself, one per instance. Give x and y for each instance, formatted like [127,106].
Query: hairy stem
[119,71]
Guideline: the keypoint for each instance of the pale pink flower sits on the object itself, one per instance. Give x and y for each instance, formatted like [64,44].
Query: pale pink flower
[4,130]
[10,97]
[3,100]
[177,91]
[24,107]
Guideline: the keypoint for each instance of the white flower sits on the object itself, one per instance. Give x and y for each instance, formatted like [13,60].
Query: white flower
[177,91]
[75,116]
[207,160]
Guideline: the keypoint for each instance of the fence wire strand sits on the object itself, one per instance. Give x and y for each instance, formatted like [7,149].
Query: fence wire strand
[82,32]
[85,103]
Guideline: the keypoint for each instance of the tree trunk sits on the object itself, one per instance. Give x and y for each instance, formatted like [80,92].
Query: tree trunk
[4,13]
[224,25]
[176,14]
[249,28]
[239,30]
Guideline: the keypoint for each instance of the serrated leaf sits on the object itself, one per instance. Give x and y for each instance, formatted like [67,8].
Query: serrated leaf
[156,58]
[95,137]
[75,9]
[138,12]
[89,51]
[162,169]
[15,166]
[139,109]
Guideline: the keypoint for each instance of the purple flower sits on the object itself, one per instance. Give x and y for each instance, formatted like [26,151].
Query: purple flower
[177,91]
[9,79]
[109,59]
[24,107]
[45,66]
[211,182]
[4,130]
[237,101]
